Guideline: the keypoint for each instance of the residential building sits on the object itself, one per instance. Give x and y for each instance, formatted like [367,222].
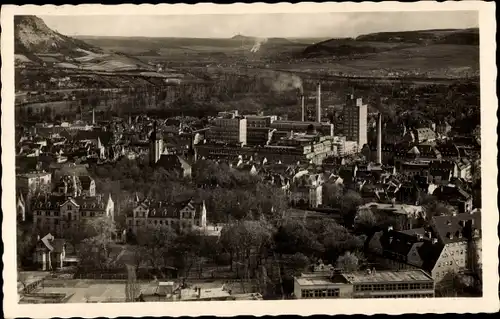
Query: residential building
[179,215]
[29,183]
[455,196]
[50,253]
[450,244]
[56,213]
[306,190]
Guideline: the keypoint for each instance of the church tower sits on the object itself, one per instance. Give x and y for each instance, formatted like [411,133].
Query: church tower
[155,146]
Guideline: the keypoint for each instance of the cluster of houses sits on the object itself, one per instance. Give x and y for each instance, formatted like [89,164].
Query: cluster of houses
[55,189]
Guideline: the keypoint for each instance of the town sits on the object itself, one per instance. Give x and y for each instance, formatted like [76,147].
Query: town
[366,188]
[247,205]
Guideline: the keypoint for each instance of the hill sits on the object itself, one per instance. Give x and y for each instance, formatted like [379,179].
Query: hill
[388,41]
[444,36]
[36,43]
[32,37]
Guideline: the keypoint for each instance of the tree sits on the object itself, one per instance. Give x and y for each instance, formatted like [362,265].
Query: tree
[433,207]
[155,245]
[332,194]
[349,202]
[132,288]
[96,250]
[365,220]
[26,243]
[348,262]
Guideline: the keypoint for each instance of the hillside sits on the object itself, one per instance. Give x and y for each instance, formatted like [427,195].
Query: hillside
[35,43]
[32,37]
[389,41]
[445,36]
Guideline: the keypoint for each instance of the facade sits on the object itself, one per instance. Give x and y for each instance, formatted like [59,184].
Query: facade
[228,131]
[451,244]
[30,182]
[365,284]
[326,129]
[186,214]
[356,121]
[155,146]
[50,253]
[307,149]
[57,213]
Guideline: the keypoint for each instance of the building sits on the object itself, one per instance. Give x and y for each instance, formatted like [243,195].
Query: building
[420,135]
[29,183]
[450,244]
[454,196]
[155,146]
[325,129]
[356,121]
[180,215]
[50,253]
[306,190]
[364,284]
[57,213]
[228,131]
[296,148]
[175,164]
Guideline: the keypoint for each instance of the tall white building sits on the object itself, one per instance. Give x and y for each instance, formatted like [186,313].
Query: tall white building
[356,120]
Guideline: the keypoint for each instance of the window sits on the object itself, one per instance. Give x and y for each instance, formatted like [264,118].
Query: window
[82,214]
[39,213]
[69,207]
[56,222]
[92,214]
[56,213]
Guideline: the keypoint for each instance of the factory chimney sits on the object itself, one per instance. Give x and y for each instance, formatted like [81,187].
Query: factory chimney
[318,103]
[93,116]
[302,101]
[379,138]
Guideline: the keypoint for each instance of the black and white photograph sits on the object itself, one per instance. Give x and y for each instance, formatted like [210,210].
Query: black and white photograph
[165,157]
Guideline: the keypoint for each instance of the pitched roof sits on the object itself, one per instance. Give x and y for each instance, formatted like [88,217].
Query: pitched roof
[173,161]
[104,136]
[451,229]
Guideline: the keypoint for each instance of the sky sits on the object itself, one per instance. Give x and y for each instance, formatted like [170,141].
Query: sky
[291,25]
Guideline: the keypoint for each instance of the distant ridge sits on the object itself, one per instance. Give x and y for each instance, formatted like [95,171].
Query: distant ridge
[386,41]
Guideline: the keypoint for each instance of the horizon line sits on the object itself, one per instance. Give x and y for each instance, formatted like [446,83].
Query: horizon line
[262,37]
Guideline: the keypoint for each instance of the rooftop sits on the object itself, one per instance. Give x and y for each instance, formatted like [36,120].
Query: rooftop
[191,294]
[387,276]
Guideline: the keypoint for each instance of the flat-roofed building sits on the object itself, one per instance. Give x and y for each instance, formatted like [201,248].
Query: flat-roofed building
[356,120]
[326,129]
[228,130]
[391,284]
[365,284]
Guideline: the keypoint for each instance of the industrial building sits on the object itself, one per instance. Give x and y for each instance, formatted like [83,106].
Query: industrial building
[230,130]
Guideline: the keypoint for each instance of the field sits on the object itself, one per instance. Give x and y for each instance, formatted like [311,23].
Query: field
[83,291]
[341,57]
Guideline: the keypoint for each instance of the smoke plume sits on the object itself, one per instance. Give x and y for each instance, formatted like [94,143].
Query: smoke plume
[283,82]
[257,45]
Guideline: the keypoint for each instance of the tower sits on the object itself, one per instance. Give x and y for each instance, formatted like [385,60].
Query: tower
[155,146]
[356,120]
[318,103]
[379,138]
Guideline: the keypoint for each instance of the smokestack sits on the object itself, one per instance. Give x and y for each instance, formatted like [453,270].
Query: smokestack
[302,101]
[93,116]
[379,138]
[318,103]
